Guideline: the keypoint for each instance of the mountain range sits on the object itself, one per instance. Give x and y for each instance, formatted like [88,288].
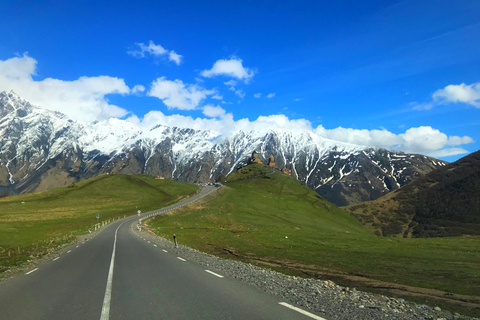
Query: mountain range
[42,149]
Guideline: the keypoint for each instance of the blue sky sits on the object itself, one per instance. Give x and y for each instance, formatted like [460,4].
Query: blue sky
[403,75]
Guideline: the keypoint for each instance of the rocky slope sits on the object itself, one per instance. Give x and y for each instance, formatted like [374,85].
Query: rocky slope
[445,202]
[41,149]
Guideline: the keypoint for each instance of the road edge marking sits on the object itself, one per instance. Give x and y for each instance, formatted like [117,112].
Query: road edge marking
[108,289]
[308,314]
[215,274]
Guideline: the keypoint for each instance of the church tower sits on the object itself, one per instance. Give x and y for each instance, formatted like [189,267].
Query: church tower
[271,161]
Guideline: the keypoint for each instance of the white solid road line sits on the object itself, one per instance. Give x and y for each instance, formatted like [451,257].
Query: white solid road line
[308,314]
[32,271]
[164,250]
[215,274]
[56,259]
[108,290]
[181,259]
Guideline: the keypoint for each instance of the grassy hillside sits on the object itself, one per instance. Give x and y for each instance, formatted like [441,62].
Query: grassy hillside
[445,202]
[33,224]
[264,217]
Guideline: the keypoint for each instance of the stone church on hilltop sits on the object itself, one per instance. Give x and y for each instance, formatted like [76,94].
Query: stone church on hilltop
[271,163]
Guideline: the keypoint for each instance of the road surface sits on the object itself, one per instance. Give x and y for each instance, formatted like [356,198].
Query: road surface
[119,275]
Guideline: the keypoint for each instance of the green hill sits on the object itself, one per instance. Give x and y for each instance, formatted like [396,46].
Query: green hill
[32,224]
[444,202]
[264,217]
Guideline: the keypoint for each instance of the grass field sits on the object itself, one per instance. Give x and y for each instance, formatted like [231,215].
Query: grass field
[267,218]
[34,224]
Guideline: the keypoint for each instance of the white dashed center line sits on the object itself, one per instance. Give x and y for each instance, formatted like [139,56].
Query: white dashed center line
[56,259]
[215,274]
[308,314]
[164,250]
[69,251]
[154,245]
[181,259]
[32,271]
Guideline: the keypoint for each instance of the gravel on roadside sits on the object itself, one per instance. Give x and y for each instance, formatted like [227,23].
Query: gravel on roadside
[329,300]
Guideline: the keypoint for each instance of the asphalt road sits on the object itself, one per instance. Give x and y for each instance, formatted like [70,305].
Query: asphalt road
[119,275]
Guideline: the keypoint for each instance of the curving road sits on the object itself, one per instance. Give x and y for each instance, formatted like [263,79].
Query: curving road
[119,275]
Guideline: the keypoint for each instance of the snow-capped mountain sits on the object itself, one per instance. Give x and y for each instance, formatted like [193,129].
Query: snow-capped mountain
[41,149]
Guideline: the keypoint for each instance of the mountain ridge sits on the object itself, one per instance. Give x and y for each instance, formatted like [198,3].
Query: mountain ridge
[41,148]
[444,202]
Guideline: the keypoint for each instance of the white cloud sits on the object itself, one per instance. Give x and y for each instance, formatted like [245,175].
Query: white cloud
[447,152]
[230,83]
[424,140]
[378,138]
[155,50]
[232,68]
[176,94]
[138,88]
[212,111]
[175,57]
[18,68]
[257,95]
[461,93]
[456,141]
[217,97]
[240,93]
[83,99]
[421,106]
[271,95]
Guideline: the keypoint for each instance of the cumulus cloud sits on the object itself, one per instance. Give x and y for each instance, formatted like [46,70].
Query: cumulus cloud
[212,111]
[175,57]
[271,95]
[453,93]
[83,99]
[138,88]
[424,139]
[18,68]
[156,50]
[231,68]
[461,93]
[257,95]
[178,95]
